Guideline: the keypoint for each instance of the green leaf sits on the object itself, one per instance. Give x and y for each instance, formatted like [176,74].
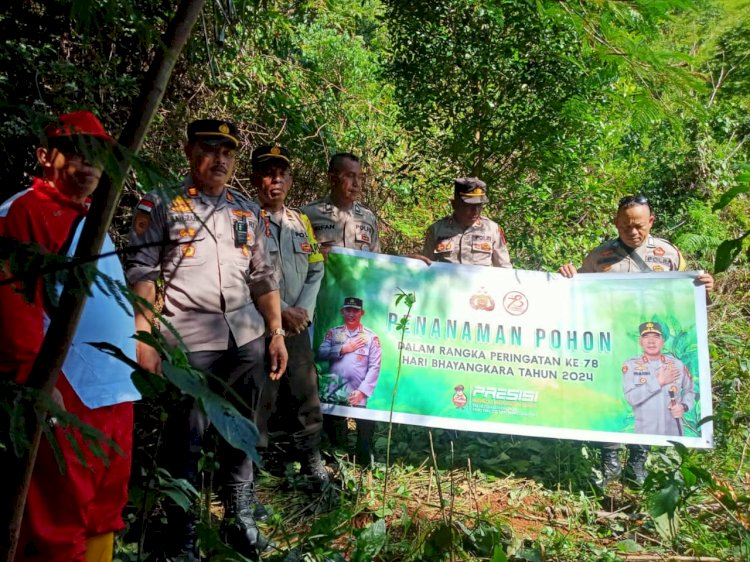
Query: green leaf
[689,476]
[727,197]
[667,526]
[370,542]
[683,451]
[665,500]
[628,545]
[238,431]
[188,381]
[499,555]
[727,252]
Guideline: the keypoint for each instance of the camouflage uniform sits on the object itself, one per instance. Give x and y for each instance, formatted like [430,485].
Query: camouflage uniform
[483,243]
[360,368]
[650,400]
[356,228]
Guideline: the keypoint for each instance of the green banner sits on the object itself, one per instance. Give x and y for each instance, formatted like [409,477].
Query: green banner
[603,357]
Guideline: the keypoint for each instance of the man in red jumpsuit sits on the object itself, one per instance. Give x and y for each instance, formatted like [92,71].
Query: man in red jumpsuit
[70,516]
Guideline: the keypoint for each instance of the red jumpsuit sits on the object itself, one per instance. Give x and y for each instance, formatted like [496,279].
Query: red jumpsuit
[62,510]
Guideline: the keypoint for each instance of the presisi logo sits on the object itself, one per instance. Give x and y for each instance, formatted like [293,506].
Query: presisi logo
[504,394]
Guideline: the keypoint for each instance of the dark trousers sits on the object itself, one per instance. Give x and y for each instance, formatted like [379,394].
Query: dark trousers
[618,446]
[293,400]
[336,429]
[243,369]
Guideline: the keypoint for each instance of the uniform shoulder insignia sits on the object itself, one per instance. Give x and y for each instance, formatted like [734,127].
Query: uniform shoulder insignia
[233,195]
[364,209]
[502,236]
[625,369]
[181,204]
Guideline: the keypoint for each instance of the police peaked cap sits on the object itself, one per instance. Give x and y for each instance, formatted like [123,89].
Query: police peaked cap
[470,190]
[214,131]
[650,328]
[352,302]
[268,153]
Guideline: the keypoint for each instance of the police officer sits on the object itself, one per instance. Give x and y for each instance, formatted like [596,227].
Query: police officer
[299,269]
[339,219]
[208,246]
[658,387]
[634,251]
[466,237]
[354,353]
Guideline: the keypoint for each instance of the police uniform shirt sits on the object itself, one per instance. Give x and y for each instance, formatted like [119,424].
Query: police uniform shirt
[211,252]
[483,243]
[360,369]
[650,400]
[614,256]
[356,228]
[294,254]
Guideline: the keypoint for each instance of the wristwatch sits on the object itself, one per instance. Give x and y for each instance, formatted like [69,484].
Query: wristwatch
[277,332]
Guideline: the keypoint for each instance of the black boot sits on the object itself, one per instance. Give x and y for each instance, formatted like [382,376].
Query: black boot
[635,472]
[260,513]
[363,450]
[177,539]
[611,466]
[239,527]
[314,469]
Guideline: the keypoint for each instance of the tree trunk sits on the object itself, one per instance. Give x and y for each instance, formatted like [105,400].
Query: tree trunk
[60,333]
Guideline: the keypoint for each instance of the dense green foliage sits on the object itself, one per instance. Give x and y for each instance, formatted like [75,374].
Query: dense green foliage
[562,107]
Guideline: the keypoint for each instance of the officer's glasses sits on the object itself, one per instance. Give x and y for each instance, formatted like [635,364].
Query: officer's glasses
[631,200]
